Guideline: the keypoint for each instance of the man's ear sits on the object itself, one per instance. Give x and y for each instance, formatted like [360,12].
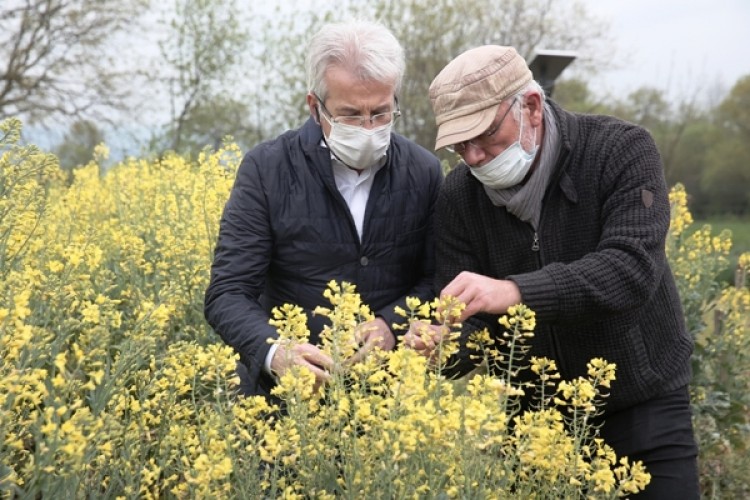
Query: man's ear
[312,104]
[533,101]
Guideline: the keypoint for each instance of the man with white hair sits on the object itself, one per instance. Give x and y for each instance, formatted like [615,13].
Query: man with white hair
[341,198]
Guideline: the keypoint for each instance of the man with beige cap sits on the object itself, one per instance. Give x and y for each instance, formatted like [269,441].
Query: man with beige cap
[567,214]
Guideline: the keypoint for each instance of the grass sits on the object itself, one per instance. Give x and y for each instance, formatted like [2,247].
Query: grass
[740,227]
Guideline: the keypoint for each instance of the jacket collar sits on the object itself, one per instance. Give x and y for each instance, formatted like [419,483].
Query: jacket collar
[310,134]
[567,126]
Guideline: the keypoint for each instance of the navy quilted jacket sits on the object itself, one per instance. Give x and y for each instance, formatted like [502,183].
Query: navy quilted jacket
[286,231]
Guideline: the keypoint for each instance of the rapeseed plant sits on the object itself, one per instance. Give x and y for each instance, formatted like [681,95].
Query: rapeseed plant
[394,427]
[112,385]
[718,317]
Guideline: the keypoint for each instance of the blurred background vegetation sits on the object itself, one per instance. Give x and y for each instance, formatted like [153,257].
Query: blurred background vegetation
[147,77]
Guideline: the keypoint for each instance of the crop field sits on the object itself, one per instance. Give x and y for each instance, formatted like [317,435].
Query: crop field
[112,385]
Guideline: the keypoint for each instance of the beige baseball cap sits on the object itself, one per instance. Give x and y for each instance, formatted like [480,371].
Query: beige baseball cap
[465,95]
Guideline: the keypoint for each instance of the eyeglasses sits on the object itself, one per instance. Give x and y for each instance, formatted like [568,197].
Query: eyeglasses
[480,141]
[358,120]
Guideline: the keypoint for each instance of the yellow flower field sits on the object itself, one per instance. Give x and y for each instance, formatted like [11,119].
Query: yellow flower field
[112,384]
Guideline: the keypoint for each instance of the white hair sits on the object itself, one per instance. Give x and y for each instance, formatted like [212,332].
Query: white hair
[366,49]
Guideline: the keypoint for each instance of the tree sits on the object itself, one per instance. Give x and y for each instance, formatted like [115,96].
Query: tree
[734,112]
[690,160]
[56,57]
[676,128]
[77,147]
[209,123]
[432,33]
[575,95]
[203,46]
[224,67]
[727,181]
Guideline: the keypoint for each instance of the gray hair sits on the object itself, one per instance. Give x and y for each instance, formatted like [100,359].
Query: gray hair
[366,49]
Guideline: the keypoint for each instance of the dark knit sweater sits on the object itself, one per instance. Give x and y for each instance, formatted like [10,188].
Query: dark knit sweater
[595,272]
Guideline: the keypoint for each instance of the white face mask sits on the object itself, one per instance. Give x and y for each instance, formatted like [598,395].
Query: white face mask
[358,147]
[509,167]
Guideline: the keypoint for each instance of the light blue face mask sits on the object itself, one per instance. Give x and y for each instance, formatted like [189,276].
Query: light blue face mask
[509,167]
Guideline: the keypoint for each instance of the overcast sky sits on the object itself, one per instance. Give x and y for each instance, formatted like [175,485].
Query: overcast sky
[680,46]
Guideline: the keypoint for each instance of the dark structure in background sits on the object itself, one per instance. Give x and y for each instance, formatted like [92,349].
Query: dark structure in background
[547,65]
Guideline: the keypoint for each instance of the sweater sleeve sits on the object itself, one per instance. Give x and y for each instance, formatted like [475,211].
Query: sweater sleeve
[623,271]
[239,268]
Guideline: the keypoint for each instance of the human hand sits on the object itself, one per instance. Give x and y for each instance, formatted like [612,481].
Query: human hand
[482,294]
[307,355]
[371,335]
[424,338]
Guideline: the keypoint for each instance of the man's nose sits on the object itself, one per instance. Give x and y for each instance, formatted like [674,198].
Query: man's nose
[473,155]
[369,123]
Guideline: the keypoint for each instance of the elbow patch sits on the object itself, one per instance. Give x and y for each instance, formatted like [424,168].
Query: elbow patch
[647,197]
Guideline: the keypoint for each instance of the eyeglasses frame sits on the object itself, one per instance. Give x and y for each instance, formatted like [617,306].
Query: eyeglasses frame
[461,147]
[362,119]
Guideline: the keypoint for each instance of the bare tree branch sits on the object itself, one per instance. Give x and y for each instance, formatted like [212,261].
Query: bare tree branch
[55,52]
